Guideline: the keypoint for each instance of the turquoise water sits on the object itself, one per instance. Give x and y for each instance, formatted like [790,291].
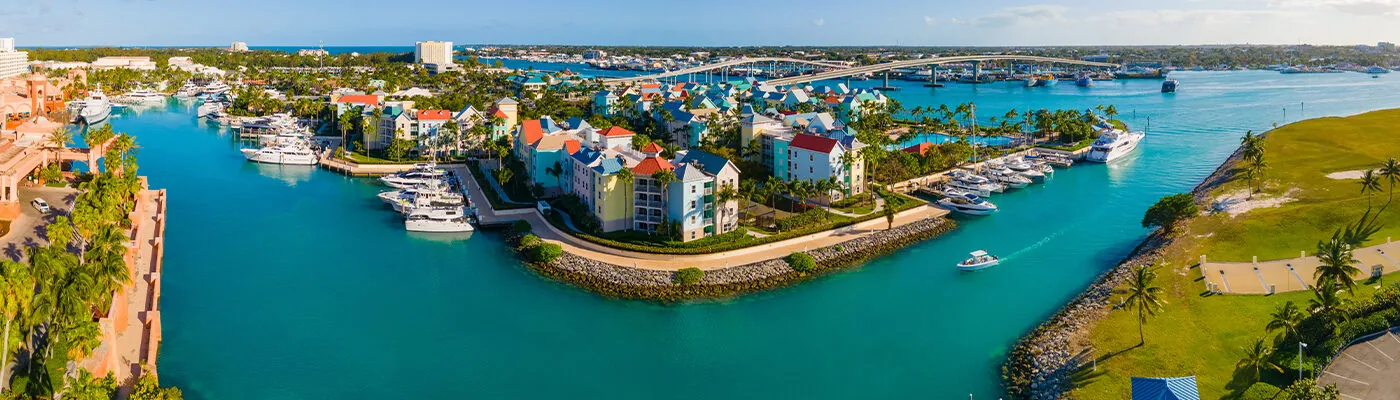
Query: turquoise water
[293,283]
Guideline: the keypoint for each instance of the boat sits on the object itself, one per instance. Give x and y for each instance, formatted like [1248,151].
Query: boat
[1084,80]
[1141,73]
[209,107]
[286,155]
[1011,180]
[1032,81]
[980,260]
[451,219]
[1026,169]
[216,88]
[189,90]
[1113,144]
[969,204]
[1046,80]
[1169,86]
[968,177]
[143,96]
[421,175]
[1377,70]
[980,190]
[95,109]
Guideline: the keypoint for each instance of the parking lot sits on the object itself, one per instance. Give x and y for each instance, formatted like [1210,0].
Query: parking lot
[1367,369]
[27,230]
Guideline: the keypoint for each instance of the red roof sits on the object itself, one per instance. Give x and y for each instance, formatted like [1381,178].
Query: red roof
[571,146]
[614,131]
[651,165]
[532,131]
[652,148]
[434,115]
[832,100]
[814,143]
[498,113]
[359,99]
[919,149]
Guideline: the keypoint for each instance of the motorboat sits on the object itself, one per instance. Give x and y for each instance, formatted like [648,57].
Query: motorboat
[438,220]
[417,176]
[429,200]
[209,107]
[980,260]
[1032,81]
[968,177]
[189,90]
[980,190]
[287,155]
[216,88]
[969,204]
[143,96]
[1026,169]
[1010,179]
[1169,86]
[95,109]
[1113,144]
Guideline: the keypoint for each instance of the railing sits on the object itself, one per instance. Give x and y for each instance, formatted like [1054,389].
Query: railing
[648,204]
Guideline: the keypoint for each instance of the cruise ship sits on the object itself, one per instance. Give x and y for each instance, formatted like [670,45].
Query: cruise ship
[287,155]
[1113,144]
[95,109]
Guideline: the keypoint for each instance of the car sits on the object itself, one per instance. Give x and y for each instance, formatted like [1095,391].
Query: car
[41,205]
[542,207]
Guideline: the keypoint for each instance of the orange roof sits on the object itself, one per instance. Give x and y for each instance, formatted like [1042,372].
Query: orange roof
[614,131]
[434,115]
[651,85]
[832,100]
[919,149]
[651,165]
[498,113]
[359,99]
[532,131]
[652,148]
[571,146]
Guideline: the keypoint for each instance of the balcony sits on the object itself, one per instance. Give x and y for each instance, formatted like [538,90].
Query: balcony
[648,204]
[709,214]
[710,198]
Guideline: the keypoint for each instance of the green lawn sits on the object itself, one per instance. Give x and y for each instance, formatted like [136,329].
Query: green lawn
[1206,336]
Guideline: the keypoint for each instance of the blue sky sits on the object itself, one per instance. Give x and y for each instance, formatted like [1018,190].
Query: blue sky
[720,22]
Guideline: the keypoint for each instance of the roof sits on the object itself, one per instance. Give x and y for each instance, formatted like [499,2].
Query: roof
[531,131]
[587,156]
[609,166]
[577,123]
[615,131]
[652,148]
[434,115]
[499,114]
[814,143]
[551,142]
[688,172]
[919,149]
[571,146]
[709,162]
[651,165]
[359,99]
[1183,388]
[507,100]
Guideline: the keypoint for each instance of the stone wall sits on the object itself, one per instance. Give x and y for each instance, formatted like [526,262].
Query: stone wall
[633,283]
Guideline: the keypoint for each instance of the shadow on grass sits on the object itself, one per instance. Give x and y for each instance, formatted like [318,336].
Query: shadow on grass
[1243,385]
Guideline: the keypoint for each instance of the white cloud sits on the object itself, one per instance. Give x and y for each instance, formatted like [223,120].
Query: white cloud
[1032,14]
[930,21]
[819,21]
[1353,7]
[1188,18]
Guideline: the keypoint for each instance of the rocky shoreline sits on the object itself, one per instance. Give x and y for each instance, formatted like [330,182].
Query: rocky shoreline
[1041,364]
[633,283]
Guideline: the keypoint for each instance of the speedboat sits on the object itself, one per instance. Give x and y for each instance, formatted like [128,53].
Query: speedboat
[1008,178]
[287,155]
[968,204]
[216,88]
[968,177]
[95,109]
[189,90]
[980,260]
[451,219]
[143,96]
[416,177]
[1113,144]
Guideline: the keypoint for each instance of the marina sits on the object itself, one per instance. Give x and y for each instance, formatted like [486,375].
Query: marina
[456,285]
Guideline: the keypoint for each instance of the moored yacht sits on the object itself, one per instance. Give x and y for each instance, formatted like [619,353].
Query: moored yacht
[95,109]
[418,176]
[980,260]
[437,220]
[189,90]
[1113,144]
[143,96]
[288,155]
[968,204]
[216,88]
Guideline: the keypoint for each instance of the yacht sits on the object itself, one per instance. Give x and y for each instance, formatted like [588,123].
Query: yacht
[1169,86]
[1026,169]
[95,109]
[425,200]
[143,96]
[437,220]
[1010,179]
[189,90]
[1112,144]
[418,176]
[209,107]
[968,177]
[980,260]
[984,189]
[288,155]
[216,88]
[968,204]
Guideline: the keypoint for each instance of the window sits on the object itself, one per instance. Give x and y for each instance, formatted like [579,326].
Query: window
[692,190]
[809,157]
[692,235]
[809,170]
[692,204]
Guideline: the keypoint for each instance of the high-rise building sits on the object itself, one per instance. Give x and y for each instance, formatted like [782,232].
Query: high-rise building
[12,63]
[431,52]
[238,47]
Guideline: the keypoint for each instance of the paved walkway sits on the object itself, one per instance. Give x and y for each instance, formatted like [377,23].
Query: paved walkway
[1292,274]
[672,262]
[1366,370]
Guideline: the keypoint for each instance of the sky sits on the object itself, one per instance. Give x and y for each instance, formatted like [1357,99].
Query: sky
[717,23]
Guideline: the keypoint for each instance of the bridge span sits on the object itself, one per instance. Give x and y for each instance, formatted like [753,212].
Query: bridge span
[835,71]
[720,65]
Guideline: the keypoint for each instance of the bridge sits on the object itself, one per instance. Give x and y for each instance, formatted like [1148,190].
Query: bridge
[721,65]
[840,71]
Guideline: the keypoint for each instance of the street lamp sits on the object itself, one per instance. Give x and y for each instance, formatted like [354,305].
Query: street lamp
[1301,346]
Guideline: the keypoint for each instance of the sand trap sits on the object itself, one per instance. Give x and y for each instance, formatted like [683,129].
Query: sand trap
[1238,202]
[1344,175]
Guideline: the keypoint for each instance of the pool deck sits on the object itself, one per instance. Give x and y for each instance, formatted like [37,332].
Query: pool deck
[1292,274]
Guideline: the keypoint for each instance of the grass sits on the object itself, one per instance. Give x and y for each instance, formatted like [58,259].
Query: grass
[491,194]
[361,158]
[1205,335]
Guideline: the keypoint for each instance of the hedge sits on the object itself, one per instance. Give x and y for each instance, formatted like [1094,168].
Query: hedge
[543,252]
[689,276]
[801,262]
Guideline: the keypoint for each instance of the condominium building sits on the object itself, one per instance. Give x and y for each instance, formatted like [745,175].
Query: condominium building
[12,63]
[430,52]
[127,62]
[238,47]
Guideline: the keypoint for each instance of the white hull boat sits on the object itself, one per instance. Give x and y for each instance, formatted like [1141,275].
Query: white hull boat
[980,260]
[286,155]
[968,204]
[440,220]
[1113,144]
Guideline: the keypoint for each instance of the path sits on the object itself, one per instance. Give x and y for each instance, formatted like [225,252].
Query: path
[672,262]
[1366,370]
[1294,274]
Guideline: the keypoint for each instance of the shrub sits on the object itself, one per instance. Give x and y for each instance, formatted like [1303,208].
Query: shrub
[1169,210]
[543,252]
[520,227]
[806,218]
[801,262]
[1307,389]
[578,213]
[528,241]
[1353,329]
[689,276]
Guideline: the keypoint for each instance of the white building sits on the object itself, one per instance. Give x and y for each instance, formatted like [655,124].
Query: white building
[12,63]
[431,52]
[238,47]
[136,63]
[313,52]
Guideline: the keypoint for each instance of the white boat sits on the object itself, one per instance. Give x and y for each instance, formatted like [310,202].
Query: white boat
[430,200]
[1113,144]
[980,190]
[1010,179]
[1026,169]
[95,109]
[968,177]
[417,177]
[288,155]
[980,260]
[189,90]
[216,88]
[437,220]
[208,107]
[968,204]
[143,96]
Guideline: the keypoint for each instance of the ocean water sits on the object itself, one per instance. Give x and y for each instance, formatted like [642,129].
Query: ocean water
[295,283]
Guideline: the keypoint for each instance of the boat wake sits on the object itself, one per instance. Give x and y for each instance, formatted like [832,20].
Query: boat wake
[1038,244]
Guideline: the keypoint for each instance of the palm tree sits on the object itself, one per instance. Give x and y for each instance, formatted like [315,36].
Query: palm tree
[1287,317]
[59,137]
[1325,298]
[16,294]
[663,178]
[772,187]
[1338,264]
[1256,357]
[346,119]
[625,176]
[1390,171]
[1143,294]
[1370,185]
[725,194]
[556,171]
